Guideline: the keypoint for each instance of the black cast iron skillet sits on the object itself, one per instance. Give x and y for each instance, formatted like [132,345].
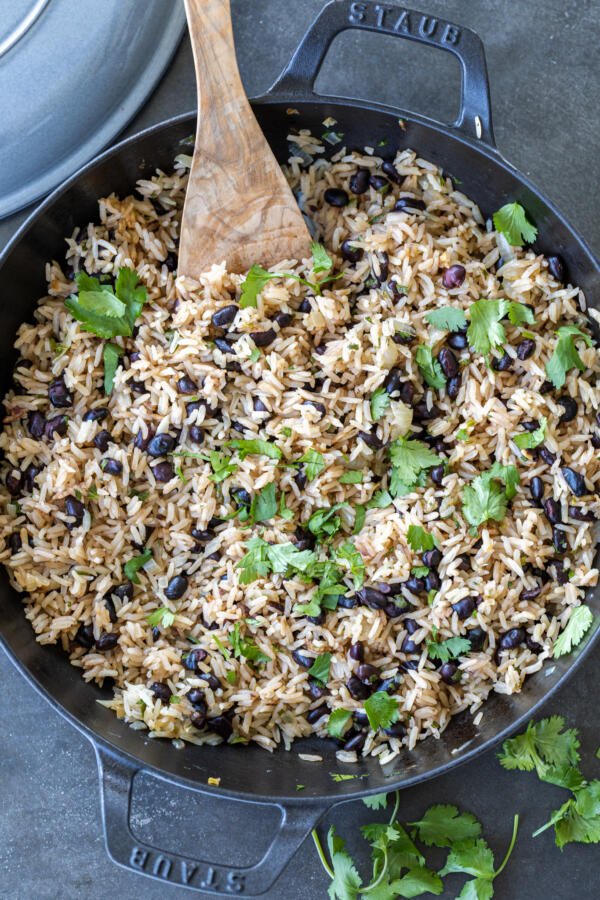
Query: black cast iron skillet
[467,151]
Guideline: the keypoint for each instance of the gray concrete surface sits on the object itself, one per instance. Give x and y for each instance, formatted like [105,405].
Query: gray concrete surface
[545,79]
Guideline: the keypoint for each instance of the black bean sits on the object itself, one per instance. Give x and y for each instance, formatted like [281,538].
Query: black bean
[575,481]
[336,197]
[448,673]
[85,636]
[196,405]
[111,466]
[317,620]
[357,651]
[223,345]
[211,680]
[351,253]
[163,472]
[356,742]
[580,515]
[396,291]
[102,440]
[511,639]
[56,425]
[533,645]
[135,356]
[357,689]
[141,442]
[432,558]
[36,425]
[390,170]
[537,489]
[411,626]
[548,457]
[202,536]
[176,587]
[29,475]
[347,602]
[454,276]
[432,581]
[300,478]
[458,341]
[305,306]
[525,349]
[58,394]
[556,267]
[196,698]
[75,509]
[437,474]
[371,597]
[99,414]
[315,405]
[409,646]
[107,641]
[559,539]
[196,434]
[530,425]
[404,203]
[316,689]
[393,381]
[595,440]
[464,608]
[242,498]
[137,387]
[530,593]
[224,316]
[425,413]
[367,673]
[259,406]
[160,445]
[14,542]
[546,387]
[194,658]
[407,392]
[379,183]
[391,684]
[302,660]
[415,585]
[448,362]
[502,363]
[552,510]
[185,385]
[221,726]
[381,266]
[570,409]
[359,182]
[283,319]
[263,338]
[476,637]
[453,387]
[398,730]
[395,608]
[161,691]
[313,715]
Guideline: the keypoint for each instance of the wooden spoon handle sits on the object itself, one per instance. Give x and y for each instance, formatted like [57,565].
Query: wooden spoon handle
[239,206]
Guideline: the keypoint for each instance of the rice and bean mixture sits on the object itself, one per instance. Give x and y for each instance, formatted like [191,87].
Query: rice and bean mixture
[271,507]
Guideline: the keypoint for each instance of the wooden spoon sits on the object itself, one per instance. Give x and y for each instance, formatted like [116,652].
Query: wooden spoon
[239,207]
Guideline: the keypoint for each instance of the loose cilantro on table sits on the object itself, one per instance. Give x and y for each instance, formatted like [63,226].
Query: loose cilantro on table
[246,646]
[429,367]
[320,668]
[255,447]
[132,566]
[485,498]
[565,356]
[410,460]
[257,278]
[163,616]
[313,462]
[419,539]
[447,318]
[527,440]
[380,401]
[580,621]
[511,221]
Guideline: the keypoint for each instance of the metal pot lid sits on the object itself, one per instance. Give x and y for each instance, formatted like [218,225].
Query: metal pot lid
[72,75]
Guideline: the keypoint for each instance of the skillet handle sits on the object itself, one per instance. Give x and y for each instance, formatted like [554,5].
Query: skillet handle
[116,780]
[298,79]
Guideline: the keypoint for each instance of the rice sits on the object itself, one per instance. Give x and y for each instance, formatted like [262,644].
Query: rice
[309,389]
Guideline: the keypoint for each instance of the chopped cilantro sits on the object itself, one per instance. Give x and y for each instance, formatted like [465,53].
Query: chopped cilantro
[320,668]
[246,647]
[337,722]
[527,440]
[565,356]
[255,447]
[352,476]
[348,553]
[449,649]
[132,566]
[511,221]
[163,617]
[322,262]
[429,367]
[447,318]
[419,539]
[111,356]
[485,331]
[313,462]
[380,401]
[410,459]
[324,523]
[382,710]
[105,311]
[360,514]
[485,499]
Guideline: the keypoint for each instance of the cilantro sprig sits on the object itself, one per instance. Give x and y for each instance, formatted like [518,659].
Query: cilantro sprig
[257,278]
[566,356]
[429,367]
[486,331]
[410,461]
[419,539]
[527,440]
[511,221]
[447,318]
[580,622]
[487,496]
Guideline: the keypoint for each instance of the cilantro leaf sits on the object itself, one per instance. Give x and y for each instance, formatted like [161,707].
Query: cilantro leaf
[579,623]
[565,356]
[511,221]
[132,566]
[444,825]
[380,401]
[419,539]
[162,616]
[360,514]
[449,649]
[255,447]
[324,523]
[380,500]
[246,647]
[264,504]
[508,474]
[376,801]
[337,722]
[429,367]
[352,476]
[477,889]
[320,668]
[253,284]
[527,440]
[472,858]
[447,318]
[348,552]
[221,465]
[111,356]
[416,882]
[314,463]
[322,262]
[104,311]
[382,710]
[485,499]
[346,881]
[485,331]
[409,459]
[520,314]
[262,558]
